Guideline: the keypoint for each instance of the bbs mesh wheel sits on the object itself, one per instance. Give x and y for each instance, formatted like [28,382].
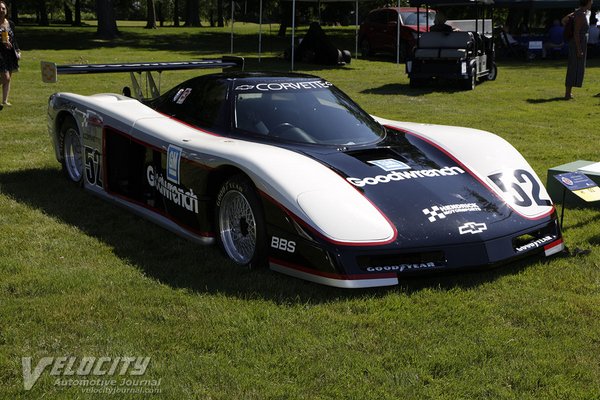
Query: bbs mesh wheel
[240,222]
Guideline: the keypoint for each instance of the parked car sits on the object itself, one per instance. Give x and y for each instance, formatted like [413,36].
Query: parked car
[379,31]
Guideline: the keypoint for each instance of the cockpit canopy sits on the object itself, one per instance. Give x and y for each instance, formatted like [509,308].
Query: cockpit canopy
[291,108]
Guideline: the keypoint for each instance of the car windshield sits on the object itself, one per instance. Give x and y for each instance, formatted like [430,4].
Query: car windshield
[302,110]
[410,18]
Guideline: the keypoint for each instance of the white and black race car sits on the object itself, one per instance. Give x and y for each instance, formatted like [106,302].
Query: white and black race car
[286,170]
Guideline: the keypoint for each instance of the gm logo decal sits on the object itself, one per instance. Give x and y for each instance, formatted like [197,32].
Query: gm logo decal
[173,160]
[472,228]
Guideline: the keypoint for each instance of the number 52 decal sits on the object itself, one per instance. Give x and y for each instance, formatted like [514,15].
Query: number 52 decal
[93,168]
[522,190]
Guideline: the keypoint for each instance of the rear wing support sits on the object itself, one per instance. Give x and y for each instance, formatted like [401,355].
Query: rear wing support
[50,72]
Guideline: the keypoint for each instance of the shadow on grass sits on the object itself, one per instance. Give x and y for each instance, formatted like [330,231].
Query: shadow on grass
[407,90]
[187,40]
[182,264]
[541,101]
[200,41]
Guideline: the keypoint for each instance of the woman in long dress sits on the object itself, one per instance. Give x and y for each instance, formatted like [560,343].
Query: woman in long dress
[577,48]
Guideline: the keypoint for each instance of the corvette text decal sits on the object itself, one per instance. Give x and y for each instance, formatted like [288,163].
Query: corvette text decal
[279,86]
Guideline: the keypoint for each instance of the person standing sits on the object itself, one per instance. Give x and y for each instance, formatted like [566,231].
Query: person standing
[9,52]
[577,47]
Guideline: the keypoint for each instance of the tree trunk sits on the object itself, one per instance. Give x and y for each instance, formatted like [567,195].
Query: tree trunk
[14,14]
[220,21]
[192,13]
[175,12]
[43,10]
[159,14]
[150,15]
[68,14]
[77,21]
[286,17]
[107,22]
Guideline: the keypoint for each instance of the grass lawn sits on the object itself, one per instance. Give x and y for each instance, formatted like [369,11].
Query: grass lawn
[80,277]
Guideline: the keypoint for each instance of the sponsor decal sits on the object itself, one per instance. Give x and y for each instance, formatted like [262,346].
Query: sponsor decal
[436,213]
[389,164]
[186,199]
[404,267]
[535,244]
[173,160]
[402,175]
[472,228]
[279,86]
[283,244]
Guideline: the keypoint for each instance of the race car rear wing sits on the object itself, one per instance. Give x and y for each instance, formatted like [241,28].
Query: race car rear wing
[50,71]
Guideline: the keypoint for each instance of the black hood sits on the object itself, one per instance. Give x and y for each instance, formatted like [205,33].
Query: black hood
[432,199]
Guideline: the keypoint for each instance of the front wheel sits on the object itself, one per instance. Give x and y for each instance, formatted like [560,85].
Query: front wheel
[240,222]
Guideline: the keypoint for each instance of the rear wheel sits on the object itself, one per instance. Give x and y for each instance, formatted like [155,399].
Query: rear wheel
[72,151]
[240,222]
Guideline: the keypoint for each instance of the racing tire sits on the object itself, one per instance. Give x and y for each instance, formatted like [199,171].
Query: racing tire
[493,74]
[71,151]
[240,222]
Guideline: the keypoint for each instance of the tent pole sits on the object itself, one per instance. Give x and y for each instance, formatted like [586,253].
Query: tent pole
[232,8]
[356,32]
[293,29]
[398,35]
[260,31]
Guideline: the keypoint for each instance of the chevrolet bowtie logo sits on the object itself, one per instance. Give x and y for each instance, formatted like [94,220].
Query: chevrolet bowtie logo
[472,227]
